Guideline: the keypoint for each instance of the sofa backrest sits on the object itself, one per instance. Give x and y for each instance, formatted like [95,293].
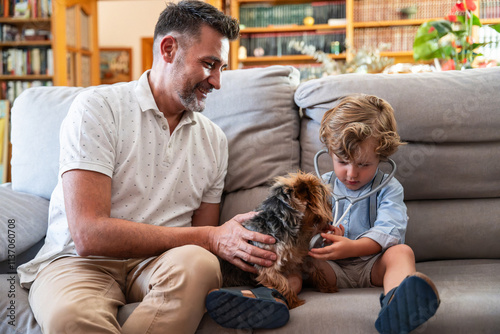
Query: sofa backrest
[37,115]
[449,168]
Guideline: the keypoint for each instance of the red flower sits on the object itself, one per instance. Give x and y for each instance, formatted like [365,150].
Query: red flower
[471,5]
[467,5]
[448,66]
[451,18]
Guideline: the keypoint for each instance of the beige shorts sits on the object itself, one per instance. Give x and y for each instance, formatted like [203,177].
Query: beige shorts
[354,272]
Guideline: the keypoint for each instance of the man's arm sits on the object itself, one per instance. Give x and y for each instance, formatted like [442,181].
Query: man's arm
[87,198]
[206,215]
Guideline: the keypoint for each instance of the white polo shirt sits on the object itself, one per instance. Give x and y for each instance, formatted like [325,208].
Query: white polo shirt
[157,178]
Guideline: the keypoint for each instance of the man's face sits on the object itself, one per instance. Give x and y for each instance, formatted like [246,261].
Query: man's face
[198,68]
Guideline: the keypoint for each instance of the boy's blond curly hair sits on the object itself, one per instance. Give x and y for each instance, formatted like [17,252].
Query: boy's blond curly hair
[355,119]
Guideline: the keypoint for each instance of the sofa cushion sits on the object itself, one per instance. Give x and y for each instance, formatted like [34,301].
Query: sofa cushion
[454,229]
[430,107]
[255,109]
[37,115]
[23,222]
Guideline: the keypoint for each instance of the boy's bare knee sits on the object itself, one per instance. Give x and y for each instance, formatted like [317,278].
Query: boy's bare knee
[401,250]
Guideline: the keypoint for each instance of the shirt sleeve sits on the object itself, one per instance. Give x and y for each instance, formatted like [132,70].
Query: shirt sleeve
[87,136]
[389,228]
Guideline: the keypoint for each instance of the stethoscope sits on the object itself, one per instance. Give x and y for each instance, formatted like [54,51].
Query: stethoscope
[350,199]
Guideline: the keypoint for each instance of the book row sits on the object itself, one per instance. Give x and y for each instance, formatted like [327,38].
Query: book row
[10,90]
[26,8]
[396,38]
[27,61]
[489,9]
[277,44]
[258,15]
[13,33]
[366,11]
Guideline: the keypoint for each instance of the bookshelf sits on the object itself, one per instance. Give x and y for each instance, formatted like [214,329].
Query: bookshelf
[366,23]
[26,53]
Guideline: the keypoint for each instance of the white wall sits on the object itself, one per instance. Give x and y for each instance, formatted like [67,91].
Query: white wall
[122,23]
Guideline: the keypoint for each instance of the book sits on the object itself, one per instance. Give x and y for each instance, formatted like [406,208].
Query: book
[4,139]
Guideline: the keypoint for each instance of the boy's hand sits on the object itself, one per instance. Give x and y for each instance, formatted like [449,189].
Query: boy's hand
[340,248]
[340,230]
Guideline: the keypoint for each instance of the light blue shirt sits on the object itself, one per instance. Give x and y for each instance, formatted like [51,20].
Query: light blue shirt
[389,227]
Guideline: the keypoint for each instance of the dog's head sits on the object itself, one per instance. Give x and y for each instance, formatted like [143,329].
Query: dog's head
[307,194]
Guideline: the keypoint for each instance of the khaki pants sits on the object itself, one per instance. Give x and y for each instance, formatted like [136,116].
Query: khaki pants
[81,295]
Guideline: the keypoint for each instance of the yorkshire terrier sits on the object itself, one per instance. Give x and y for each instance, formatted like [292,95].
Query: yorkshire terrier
[298,207]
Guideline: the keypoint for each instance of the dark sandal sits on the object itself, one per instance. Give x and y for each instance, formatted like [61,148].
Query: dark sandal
[267,308]
[407,306]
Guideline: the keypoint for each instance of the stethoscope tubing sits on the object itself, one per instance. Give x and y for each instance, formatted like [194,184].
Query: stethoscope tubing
[350,199]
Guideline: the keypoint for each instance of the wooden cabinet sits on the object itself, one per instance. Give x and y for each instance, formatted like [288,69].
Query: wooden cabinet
[366,24]
[76,48]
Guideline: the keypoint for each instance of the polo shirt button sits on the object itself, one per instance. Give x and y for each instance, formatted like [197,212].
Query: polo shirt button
[164,127]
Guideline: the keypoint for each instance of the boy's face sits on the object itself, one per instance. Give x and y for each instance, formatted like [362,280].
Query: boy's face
[355,174]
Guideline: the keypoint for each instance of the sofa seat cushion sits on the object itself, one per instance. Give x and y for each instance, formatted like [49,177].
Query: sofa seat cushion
[23,220]
[469,291]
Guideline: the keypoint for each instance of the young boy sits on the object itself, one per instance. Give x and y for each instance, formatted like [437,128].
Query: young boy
[359,133]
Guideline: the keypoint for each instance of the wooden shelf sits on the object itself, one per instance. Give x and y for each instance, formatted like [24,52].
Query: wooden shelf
[490,21]
[32,77]
[292,28]
[285,58]
[26,43]
[377,24]
[20,21]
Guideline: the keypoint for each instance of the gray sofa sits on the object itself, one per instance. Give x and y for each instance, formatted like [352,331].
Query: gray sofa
[449,169]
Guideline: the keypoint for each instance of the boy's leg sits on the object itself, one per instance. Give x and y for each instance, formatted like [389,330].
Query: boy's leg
[77,295]
[410,298]
[328,272]
[393,266]
[172,289]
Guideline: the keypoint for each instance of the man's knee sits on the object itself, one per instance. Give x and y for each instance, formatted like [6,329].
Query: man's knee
[195,262]
[75,317]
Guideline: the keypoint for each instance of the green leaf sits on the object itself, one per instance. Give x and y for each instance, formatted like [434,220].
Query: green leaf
[495,26]
[476,21]
[478,45]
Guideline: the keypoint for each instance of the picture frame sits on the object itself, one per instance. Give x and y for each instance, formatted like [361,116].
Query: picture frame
[115,64]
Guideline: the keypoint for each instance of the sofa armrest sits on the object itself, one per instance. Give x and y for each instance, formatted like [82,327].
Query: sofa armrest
[23,224]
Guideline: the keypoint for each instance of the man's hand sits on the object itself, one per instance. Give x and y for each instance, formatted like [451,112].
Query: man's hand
[230,242]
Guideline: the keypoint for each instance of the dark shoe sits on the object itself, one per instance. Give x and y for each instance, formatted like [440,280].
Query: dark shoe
[407,306]
[255,308]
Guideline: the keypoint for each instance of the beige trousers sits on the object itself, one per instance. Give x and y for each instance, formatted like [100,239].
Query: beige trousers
[81,295]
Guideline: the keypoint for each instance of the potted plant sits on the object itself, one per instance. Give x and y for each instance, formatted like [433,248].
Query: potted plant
[450,38]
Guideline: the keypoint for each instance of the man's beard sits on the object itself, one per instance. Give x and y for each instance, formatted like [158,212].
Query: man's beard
[189,99]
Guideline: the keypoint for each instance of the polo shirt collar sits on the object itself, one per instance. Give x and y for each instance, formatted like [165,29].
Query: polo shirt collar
[147,101]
